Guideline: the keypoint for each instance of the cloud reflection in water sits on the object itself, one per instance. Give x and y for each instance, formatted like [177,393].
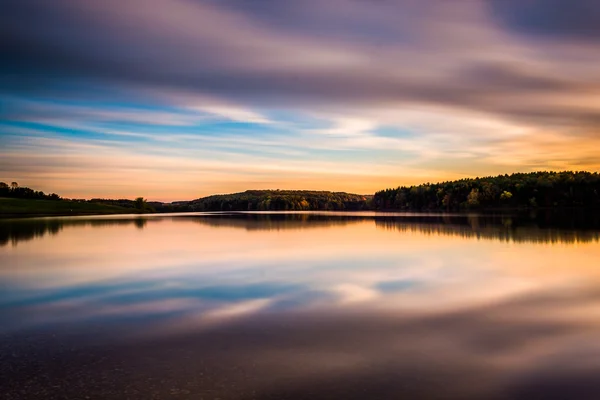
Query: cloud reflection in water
[302,306]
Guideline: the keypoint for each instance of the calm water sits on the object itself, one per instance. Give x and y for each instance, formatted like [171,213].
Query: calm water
[300,306]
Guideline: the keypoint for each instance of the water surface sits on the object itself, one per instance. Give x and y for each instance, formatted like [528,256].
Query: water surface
[300,306]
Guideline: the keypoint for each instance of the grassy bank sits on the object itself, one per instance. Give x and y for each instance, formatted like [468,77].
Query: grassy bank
[10,207]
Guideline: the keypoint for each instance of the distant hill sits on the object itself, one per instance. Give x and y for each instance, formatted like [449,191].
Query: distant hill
[278,200]
[22,201]
[521,190]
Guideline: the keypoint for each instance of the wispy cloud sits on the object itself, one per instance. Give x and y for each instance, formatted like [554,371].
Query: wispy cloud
[301,94]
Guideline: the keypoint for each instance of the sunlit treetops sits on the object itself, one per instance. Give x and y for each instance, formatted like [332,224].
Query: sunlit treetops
[535,189]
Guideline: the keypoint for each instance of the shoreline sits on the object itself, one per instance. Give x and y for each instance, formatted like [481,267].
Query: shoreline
[482,212]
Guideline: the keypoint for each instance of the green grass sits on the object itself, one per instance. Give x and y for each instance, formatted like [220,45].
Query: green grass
[26,207]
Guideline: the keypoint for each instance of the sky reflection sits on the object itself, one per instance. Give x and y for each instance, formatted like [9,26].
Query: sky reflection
[336,302]
[296,261]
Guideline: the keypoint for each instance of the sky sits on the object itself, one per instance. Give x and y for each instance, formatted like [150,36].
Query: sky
[178,99]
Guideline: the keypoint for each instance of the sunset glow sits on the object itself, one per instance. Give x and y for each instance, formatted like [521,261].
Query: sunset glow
[177,99]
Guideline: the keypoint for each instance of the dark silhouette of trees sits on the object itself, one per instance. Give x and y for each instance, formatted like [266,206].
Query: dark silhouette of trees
[21,192]
[142,205]
[536,189]
[520,190]
[139,203]
[280,200]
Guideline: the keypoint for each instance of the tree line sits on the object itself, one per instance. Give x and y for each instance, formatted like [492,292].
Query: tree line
[520,190]
[14,190]
[139,204]
[19,192]
[280,200]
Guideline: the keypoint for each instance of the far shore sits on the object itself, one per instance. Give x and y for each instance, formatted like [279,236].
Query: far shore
[27,208]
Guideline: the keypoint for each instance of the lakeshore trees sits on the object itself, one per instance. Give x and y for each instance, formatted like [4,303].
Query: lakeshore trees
[535,189]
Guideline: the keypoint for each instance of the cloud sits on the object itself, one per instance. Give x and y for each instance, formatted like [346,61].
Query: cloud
[400,89]
[552,19]
[399,52]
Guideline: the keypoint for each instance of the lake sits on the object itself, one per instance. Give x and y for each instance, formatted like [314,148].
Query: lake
[300,306]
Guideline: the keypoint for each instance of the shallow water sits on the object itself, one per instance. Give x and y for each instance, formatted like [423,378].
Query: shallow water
[300,306]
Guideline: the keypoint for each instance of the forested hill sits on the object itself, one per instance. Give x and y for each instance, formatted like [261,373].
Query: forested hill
[536,189]
[258,200]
